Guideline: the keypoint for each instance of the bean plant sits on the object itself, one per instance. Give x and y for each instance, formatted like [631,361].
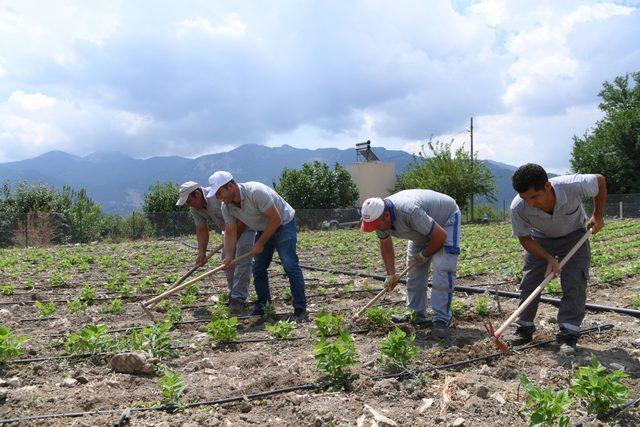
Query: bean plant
[328,324]
[10,344]
[91,339]
[545,405]
[113,307]
[153,339]
[379,317]
[221,329]
[76,306]
[335,358]
[280,329]
[172,387]
[397,349]
[45,309]
[600,391]
[87,294]
[7,290]
[481,306]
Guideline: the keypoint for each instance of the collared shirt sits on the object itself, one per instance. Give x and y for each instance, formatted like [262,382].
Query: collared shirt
[256,198]
[212,212]
[568,214]
[416,213]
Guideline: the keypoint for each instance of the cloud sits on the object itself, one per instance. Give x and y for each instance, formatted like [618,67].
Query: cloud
[197,77]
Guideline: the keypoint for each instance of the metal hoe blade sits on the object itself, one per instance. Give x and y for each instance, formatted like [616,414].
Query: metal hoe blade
[501,345]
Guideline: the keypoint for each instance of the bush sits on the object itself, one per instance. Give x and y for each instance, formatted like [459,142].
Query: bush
[600,391]
[328,324]
[172,387]
[280,329]
[153,340]
[397,349]
[335,358]
[45,309]
[223,329]
[546,405]
[91,339]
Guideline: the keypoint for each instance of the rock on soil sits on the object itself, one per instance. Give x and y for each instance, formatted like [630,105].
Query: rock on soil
[131,363]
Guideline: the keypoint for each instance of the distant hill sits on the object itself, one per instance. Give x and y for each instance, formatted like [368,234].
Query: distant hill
[119,182]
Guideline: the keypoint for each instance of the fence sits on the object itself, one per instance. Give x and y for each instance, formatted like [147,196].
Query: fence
[47,228]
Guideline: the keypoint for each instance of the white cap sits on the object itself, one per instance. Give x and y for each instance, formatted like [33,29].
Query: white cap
[186,189]
[371,211]
[217,180]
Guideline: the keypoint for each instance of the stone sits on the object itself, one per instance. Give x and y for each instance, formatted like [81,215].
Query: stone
[206,363]
[112,383]
[380,419]
[131,363]
[69,382]
[5,314]
[245,407]
[616,366]
[485,370]
[81,379]
[636,342]
[426,404]
[458,422]
[13,382]
[481,391]
[497,396]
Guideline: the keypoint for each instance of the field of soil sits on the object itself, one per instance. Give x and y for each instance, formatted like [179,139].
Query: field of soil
[45,379]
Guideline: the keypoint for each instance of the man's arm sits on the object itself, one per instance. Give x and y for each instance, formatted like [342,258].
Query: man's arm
[240,227]
[388,255]
[273,222]
[436,241]
[538,251]
[202,234]
[596,222]
[229,243]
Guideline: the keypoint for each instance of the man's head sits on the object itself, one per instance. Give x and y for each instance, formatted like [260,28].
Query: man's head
[223,187]
[192,195]
[533,186]
[375,216]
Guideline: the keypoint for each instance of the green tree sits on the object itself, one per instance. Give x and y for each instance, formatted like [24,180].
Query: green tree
[316,186]
[161,210]
[612,148]
[452,173]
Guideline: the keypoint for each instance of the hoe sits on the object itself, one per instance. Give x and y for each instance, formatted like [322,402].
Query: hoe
[382,292]
[496,334]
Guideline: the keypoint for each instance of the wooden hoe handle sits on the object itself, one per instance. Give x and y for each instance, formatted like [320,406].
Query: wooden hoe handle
[382,292]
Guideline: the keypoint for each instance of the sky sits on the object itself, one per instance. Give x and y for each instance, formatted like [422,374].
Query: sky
[158,78]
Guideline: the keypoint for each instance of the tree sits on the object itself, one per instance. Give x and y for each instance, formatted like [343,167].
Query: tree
[160,208]
[449,173]
[315,186]
[612,148]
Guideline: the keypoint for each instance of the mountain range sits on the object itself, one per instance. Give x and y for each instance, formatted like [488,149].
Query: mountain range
[118,182]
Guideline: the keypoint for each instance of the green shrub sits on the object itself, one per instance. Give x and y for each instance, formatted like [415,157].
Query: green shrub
[126,291]
[76,306]
[87,294]
[458,307]
[223,329]
[397,349]
[280,329]
[220,311]
[481,306]
[9,344]
[173,314]
[600,391]
[379,317]
[328,324]
[153,339]
[546,406]
[45,309]
[172,387]
[58,279]
[335,357]
[91,339]
[554,288]
[7,290]
[113,307]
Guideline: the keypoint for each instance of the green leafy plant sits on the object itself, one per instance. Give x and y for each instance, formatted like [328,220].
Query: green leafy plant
[91,339]
[322,290]
[458,307]
[636,302]
[116,281]
[220,311]
[554,288]
[223,297]
[172,387]
[286,293]
[397,349]
[335,357]
[126,291]
[144,283]
[280,329]
[76,306]
[269,312]
[153,339]
[10,344]
[87,294]
[173,314]
[190,294]
[379,317]
[113,307]
[221,329]
[45,309]
[328,324]
[599,390]
[58,279]
[546,406]
[165,305]
[7,290]
[481,306]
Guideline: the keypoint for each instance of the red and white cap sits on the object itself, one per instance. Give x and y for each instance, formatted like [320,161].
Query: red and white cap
[371,212]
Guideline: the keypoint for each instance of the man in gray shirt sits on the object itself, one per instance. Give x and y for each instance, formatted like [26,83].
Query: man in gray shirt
[548,219]
[207,209]
[431,223]
[265,211]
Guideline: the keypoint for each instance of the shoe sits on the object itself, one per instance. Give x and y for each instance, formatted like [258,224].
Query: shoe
[299,315]
[416,319]
[440,329]
[570,339]
[236,306]
[258,311]
[522,335]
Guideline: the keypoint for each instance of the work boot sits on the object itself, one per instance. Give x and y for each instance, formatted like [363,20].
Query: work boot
[568,342]
[258,311]
[440,329]
[522,335]
[236,306]
[414,318]
[299,315]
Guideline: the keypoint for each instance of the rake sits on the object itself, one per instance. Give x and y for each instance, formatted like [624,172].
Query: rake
[497,334]
[146,305]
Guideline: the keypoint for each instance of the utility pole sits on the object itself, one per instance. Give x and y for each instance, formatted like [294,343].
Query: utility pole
[471,131]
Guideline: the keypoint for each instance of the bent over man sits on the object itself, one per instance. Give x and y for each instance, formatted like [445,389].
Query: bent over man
[265,211]
[204,209]
[431,222]
[548,219]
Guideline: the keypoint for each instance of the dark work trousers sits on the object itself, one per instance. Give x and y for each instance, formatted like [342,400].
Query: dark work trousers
[573,278]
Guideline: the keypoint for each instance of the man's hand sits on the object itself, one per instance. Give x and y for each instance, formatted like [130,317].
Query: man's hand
[228,263]
[257,248]
[553,266]
[390,282]
[595,223]
[419,258]
[201,259]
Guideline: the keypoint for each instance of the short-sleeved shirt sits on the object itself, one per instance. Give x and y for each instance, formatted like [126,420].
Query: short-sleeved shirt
[415,212]
[568,214]
[255,198]
[211,213]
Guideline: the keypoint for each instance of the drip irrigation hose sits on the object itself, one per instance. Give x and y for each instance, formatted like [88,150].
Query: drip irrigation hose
[607,415]
[472,290]
[259,395]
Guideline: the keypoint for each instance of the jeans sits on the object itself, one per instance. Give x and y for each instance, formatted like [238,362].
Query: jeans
[238,277]
[284,241]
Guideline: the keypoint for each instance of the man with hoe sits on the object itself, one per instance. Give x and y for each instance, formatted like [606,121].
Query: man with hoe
[431,222]
[207,208]
[548,219]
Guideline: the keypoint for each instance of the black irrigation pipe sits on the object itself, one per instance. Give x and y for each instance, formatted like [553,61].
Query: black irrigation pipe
[497,354]
[613,412]
[259,395]
[515,295]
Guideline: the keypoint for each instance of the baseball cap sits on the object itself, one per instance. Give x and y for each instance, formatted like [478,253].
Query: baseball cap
[186,189]
[371,211]
[217,180]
